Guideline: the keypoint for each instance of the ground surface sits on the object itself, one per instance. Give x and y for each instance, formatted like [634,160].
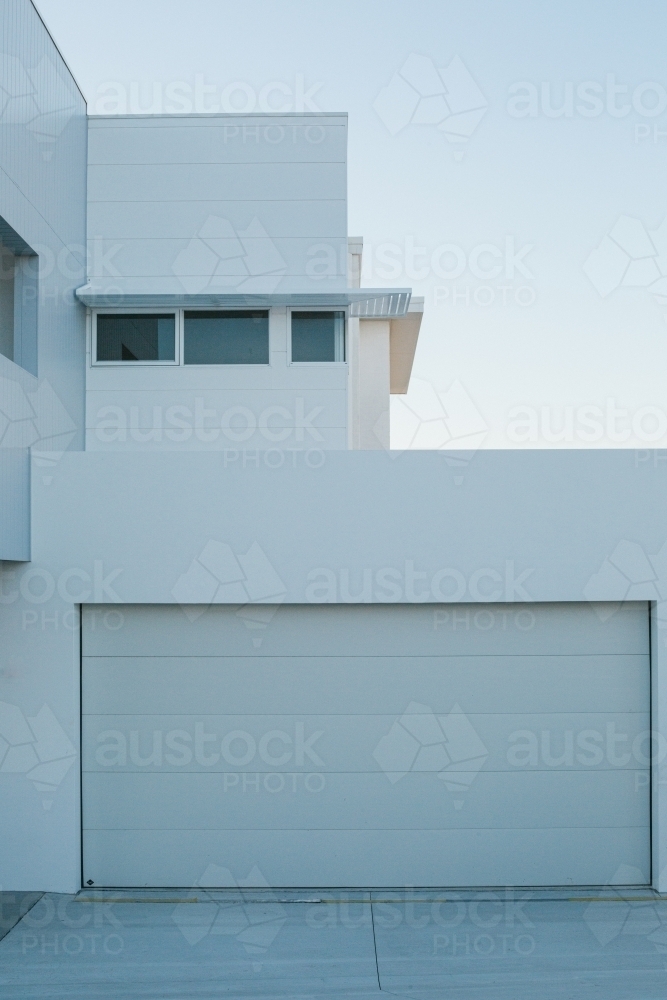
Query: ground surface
[176,945]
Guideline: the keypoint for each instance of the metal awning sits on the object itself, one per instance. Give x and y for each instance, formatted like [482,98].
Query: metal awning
[367,303]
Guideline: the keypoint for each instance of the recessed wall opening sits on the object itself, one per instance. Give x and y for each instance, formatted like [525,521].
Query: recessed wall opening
[18,299]
[7,270]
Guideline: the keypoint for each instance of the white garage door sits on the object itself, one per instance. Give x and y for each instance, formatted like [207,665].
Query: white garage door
[367,745]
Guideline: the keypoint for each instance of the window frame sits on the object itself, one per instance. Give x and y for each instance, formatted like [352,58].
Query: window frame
[139,311]
[234,365]
[179,333]
[316,309]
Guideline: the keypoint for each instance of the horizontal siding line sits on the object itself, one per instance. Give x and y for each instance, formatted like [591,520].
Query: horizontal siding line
[171,389]
[209,201]
[222,291]
[218,120]
[215,427]
[320,656]
[213,201]
[351,829]
[177,389]
[178,397]
[249,239]
[211,772]
[217,163]
[333,715]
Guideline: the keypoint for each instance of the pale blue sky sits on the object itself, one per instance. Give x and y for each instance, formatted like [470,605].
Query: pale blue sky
[558,184]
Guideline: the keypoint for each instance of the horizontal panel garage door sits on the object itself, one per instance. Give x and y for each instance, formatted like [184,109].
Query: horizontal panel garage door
[356,745]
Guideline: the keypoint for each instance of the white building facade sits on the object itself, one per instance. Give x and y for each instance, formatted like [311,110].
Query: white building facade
[238,630]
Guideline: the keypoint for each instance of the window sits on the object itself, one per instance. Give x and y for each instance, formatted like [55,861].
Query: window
[19,269]
[318,336]
[136,337]
[226,338]
[7,271]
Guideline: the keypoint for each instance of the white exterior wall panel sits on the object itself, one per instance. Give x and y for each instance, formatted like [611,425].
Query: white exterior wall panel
[122,220]
[275,377]
[43,135]
[155,185]
[251,182]
[217,419]
[179,174]
[212,139]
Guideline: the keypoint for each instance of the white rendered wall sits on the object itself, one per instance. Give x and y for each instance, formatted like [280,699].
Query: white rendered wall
[218,203]
[559,519]
[529,526]
[371,417]
[224,408]
[127,528]
[42,198]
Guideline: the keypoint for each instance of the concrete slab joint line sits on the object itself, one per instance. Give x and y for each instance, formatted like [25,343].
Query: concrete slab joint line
[13,908]
[375,947]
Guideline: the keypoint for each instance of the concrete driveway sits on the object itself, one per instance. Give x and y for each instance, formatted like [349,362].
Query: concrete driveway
[500,945]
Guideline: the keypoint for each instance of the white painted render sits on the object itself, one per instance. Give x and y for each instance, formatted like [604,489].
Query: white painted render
[214,204]
[218,203]
[372,417]
[42,215]
[218,407]
[513,532]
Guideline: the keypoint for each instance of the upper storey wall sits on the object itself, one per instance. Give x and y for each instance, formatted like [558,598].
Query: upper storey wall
[42,133]
[194,204]
[43,137]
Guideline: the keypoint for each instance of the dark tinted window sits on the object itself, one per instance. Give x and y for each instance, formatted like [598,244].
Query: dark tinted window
[7,271]
[136,338]
[318,336]
[226,338]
